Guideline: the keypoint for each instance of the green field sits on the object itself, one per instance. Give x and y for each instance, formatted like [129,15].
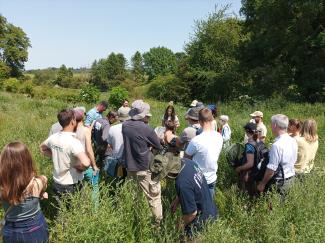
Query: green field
[121,218]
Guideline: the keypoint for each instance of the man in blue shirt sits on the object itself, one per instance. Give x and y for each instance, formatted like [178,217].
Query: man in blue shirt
[95,113]
[194,196]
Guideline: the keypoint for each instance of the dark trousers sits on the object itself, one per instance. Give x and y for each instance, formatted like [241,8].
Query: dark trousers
[33,230]
[61,190]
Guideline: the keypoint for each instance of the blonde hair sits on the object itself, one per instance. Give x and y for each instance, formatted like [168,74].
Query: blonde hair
[309,130]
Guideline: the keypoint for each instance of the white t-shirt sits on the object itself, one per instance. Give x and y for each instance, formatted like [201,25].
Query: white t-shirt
[65,147]
[115,139]
[205,149]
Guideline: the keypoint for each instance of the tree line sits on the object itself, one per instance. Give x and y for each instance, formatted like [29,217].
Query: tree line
[275,49]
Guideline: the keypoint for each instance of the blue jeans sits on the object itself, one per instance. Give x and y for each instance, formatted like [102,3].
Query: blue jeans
[212,187]
[33,230]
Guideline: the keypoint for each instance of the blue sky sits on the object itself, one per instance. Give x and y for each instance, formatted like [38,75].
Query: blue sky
[76,32]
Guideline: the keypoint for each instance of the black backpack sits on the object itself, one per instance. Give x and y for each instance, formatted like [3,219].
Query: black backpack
[261,160]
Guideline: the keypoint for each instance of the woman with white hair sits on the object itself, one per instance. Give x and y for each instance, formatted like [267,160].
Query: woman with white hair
[226,131]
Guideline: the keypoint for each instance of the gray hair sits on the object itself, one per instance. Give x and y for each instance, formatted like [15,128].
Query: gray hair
[281,121]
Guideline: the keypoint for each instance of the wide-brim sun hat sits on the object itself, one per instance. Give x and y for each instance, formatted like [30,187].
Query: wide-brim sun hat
[123,114]
[139,110]
[257,114]
[193,114]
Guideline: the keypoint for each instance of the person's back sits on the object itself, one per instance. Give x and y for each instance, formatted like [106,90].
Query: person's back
[137,137]
[115,139]
[67,153]
[65,146]
[306,155]
[284,150]
[24,220]
[100,134]
[194,196]
[205,149]
[81,135]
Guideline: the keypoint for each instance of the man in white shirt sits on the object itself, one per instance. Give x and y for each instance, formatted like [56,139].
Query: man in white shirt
[205,149]
[68,155]
[283,154]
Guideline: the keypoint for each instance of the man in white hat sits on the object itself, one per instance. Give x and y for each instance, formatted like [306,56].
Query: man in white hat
[138,138]
[257,117]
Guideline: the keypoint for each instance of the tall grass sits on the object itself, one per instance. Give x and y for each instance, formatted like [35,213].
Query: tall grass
[123,214]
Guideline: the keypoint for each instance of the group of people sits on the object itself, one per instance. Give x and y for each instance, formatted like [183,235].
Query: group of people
[291,155]
[122,143]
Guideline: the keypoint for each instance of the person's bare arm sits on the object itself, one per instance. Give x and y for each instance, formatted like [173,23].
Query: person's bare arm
[45,150]
[83,162]
[39,187]
[90,151]
[248,165]
[188,218]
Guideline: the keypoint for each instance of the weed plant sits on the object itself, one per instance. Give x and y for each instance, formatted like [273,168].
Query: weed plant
[123,214]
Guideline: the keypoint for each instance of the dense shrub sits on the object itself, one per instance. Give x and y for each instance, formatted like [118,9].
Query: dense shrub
[11,85]
[27,87]
[89,94]
[62,94]
[117,95]
[169,88]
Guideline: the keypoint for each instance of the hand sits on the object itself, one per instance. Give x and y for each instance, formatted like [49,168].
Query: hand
[45,196]
[174,205]
[95,170]
[260,187]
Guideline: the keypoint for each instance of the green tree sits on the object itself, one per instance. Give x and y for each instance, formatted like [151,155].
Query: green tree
[14,45]
[137,67]
[64,76]
[286,47]
[117,95]
[115,66]
[45,76]
[213,64]
[159,61]
[109,72]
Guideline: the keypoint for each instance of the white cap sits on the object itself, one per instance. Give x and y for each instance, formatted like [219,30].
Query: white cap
[224,118]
